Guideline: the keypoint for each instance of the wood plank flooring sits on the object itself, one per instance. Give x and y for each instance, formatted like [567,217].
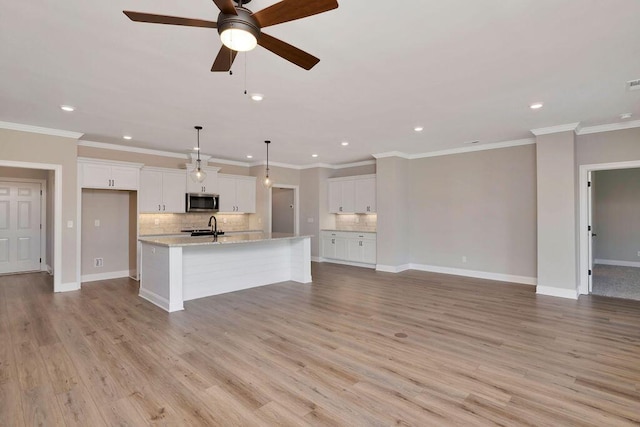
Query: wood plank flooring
[355,348]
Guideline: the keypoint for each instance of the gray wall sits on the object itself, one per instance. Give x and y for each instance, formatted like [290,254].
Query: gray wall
[111,239]
[608,147]
[480,205]
[617,215]
[394,211]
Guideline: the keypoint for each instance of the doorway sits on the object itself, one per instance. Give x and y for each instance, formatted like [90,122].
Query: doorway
[20,226]
[603,256]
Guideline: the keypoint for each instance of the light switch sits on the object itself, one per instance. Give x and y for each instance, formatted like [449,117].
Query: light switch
[69,224]
[96,223]
[309,220]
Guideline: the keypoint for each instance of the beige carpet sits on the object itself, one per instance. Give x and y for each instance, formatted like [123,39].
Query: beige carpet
[615,281]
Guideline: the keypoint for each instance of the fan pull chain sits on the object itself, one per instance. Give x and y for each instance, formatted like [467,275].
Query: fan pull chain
[245,73]
[230,62]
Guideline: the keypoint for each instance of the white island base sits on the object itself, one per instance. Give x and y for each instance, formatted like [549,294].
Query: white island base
[174,270]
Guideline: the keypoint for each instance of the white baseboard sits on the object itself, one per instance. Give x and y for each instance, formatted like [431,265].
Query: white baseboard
[393,268]
[525,280]
[617,262]
[159,301]
[317,259]
[104,276]
[48,269]
[557,292]
[351,263]
[67,287]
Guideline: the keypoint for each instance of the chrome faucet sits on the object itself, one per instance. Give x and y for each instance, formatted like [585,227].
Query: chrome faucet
[215,225]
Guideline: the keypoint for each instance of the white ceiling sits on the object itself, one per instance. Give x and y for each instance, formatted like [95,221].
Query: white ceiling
[464,69]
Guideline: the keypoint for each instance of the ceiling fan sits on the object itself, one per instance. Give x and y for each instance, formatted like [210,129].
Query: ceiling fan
[241,30]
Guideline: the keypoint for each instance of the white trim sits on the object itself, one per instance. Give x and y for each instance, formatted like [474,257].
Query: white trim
[557,292]
[617,262]
[583,175]
[66,287]
[569,127]
[525,280]
[314,165]
[351,263]
[40,130]
[296,204]
[129,149]
[393,268]
[104,276]
[317,259]
[349,165]
[154,299]
[57,215]
[609,127]
[48,269]
[461,150]
[352,178]
[110,162]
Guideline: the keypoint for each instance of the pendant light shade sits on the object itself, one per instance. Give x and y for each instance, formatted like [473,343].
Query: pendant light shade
[198,175]
[266,182]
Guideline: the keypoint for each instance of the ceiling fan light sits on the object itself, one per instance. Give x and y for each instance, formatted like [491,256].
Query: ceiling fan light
[238,39]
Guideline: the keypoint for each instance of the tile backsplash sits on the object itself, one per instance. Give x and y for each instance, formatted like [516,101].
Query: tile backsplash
[356,222]
[173,223]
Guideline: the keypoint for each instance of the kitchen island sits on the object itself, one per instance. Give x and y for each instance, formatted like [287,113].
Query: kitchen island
[178,269]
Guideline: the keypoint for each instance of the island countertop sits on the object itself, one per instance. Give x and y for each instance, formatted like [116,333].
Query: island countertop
[220,240]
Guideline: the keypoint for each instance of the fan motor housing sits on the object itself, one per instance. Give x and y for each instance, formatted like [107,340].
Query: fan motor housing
[244,20]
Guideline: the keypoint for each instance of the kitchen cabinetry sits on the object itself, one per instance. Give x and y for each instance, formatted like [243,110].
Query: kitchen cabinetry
[209,185]
[162,190]
[108,175]
[237,193]
[349,246]
[354,194]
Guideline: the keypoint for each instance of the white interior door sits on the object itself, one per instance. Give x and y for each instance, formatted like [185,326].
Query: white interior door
[590,229]
[19,227]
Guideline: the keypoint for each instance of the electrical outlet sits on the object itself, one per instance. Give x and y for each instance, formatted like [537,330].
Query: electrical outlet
[96,223]
[638,253]
[98,262]
[357,219]
[224,220]
[310,220]
[156,221]
[464,258]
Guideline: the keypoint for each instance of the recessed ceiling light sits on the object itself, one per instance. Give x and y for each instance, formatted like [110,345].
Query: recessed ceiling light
[249,156]
[625,116]
[127,137]
[257,97]
[418,128]
[314,155]
[344,143]
[67,108]
[536,105]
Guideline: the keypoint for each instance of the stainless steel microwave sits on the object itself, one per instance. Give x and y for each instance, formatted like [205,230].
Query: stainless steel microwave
[201,202]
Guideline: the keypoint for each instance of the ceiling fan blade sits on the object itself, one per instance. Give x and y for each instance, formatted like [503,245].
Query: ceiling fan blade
[290,10]
[288,52]
[224,59]
[171,20]
[226,6]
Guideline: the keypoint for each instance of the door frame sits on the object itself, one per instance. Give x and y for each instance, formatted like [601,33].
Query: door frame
[43,217]
[57,213]
[296,206]
[584,234]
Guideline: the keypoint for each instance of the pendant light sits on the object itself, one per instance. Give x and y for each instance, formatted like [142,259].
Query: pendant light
[267,181]
[198,175]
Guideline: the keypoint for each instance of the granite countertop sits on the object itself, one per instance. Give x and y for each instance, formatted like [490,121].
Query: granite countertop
[220,240]
[186,233]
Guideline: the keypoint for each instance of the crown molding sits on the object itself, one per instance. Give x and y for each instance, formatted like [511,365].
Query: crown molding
[315,165]
[392,154]
[569,127]
[40,130]
[609,127]
[129,149]
[474,148]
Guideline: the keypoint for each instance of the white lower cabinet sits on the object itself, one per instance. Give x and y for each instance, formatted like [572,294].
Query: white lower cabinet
[348,246]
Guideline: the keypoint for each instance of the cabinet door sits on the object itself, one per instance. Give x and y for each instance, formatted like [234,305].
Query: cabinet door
[335,196]
[150,191]
[96,175]
[227,192]
[209,185]
[342,252]
[365,195]
[173,192]
[246,195]
[328,246]
[124,178]
[348,196]
[354,250]
[369,251]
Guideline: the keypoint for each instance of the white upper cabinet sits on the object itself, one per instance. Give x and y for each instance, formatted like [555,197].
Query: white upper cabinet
[162,190]
[365,195]
[108,175]
[210,184]
[354,194]
[237,193]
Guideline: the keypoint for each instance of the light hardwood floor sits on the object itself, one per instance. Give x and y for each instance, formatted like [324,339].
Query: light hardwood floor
[355,348]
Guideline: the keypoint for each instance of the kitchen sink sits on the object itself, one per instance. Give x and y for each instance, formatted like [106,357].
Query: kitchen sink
[206,233]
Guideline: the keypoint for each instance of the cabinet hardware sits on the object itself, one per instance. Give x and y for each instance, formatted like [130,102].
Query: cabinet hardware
[159,208]
[164,208]
[333,241]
